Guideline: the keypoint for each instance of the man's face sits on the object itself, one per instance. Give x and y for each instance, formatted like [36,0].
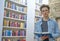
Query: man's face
[45,12]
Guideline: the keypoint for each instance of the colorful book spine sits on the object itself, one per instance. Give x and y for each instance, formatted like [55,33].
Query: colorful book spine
[10,15]
[25,9]
[5,13]
[21,25]
[9,5]
[5,5]
[19,33]
[13,6]
[13,33]
[4,22]
[8,33]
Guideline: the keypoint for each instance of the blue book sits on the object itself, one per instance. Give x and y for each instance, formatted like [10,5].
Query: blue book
[8,32]
[13,6]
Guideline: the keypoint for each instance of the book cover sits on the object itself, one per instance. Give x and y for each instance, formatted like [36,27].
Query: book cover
[16,32]
[13,6]
[16,23]
[5,13]
[19,33]
[9,5]
[21,25]
[13,33]
[8,32]
[19,16]
[44,34]
[10,15]
[16,16]
[5,22]
[3,39]
[13,15]
[5,5]
[25,9]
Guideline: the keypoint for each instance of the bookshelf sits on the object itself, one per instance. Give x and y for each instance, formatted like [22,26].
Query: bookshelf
[38,3]
[14,20]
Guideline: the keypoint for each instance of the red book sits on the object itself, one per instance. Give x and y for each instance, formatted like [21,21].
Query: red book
[16,32]
[5,12]
[10,15]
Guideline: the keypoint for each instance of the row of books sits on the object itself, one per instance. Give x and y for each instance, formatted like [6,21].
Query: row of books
[15,7]
[14,23]
[14,15]
[20,1]
[13,39]
[14,33]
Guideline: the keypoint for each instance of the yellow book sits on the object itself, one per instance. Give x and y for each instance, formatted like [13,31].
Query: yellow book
[25,9]
[37,13]
[4,22]
[21,25]
[8,39]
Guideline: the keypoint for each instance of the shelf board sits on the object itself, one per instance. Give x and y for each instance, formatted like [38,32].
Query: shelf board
[37,16]
[19,4]
[13,36]
[19,12]
[13,28]
[41,33]
[15,19]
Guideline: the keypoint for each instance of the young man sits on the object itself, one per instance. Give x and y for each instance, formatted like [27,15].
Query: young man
[45,24]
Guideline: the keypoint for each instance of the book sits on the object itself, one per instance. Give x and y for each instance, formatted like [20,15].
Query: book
[5,3]
[25,9]
[3,39]
[5,13]
[19,33]
[13,6]
[16,32]
[10,15]
[21,25]
[8,33]
[9,5]
[40,34]
[4,22]
[13,15]
[21,9]
[13,33]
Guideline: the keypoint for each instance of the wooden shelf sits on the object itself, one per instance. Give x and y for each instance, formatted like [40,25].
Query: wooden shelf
[13,36]
[19,4]
[19,12]
[13,28]
[14,19]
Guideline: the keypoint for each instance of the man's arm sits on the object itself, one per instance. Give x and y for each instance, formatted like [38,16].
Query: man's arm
[56,30]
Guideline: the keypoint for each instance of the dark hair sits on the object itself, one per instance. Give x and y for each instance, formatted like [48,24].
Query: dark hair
[44,6]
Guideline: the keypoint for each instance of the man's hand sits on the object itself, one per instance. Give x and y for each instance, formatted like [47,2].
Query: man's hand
[44,37]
